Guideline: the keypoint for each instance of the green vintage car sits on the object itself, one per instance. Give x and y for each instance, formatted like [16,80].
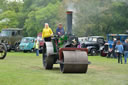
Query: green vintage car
[11,37]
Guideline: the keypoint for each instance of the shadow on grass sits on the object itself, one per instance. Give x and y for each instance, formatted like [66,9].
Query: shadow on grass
[55,70]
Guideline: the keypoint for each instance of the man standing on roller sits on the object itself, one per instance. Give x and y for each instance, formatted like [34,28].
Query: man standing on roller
[60,30]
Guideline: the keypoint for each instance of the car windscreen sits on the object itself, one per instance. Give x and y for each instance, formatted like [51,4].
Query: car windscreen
[39,38]
[27,40]
[6,33]
[112,37]
[92,39]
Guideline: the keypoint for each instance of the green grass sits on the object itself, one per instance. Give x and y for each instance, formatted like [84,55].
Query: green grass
[26,69]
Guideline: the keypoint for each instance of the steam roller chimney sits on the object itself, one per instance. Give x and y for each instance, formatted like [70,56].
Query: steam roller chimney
[69,22]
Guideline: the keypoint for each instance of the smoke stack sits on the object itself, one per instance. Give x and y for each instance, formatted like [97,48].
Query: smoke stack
[69,22]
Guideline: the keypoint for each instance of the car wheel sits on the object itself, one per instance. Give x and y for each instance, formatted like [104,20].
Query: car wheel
[16,48]
[9,50]
[40,51]
[32,50]
[25,51]
[103,54]
[93,52]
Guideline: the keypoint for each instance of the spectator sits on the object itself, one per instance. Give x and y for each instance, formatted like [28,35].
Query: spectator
[47,33]
[119,51]
[60,30]
[125,50]
[114,44]
[110,50]
[36,46]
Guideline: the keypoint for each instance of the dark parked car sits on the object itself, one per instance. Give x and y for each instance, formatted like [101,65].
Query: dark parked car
[94,44]
[11,37]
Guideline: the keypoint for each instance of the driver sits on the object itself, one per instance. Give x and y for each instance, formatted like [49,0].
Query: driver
[60,30]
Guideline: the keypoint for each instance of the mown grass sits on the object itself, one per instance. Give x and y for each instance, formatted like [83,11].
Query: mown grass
[26,69]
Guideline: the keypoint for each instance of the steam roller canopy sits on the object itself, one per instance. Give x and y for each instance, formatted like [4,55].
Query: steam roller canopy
[74,62]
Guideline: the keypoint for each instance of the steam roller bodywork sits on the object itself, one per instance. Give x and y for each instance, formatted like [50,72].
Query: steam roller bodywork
[71,60]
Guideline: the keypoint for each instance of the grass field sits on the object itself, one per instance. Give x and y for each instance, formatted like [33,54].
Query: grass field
[26,69]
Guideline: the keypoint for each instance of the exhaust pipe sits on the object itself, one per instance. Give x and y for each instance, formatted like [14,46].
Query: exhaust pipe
[69,22]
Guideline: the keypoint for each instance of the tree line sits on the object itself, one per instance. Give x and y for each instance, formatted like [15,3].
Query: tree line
[91,17]
[101,17]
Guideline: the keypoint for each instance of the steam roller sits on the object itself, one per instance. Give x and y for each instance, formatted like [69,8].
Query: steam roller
[65,50]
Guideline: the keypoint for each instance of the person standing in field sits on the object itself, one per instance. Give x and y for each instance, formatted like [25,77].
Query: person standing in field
[47,32]
[60,30]
[119,50]
[109,51]
[113,51]
[36,46]
[125,45]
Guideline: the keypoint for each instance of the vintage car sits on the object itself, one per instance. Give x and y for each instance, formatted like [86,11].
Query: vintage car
[94,44]
[27,44]
[11,37]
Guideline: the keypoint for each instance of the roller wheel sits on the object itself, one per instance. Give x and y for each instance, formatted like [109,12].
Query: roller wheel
[48,60]
[3,51]
[74,62]
[65,68]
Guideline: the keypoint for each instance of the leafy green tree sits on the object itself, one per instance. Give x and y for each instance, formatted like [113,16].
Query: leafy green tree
[39,16]
[12,19]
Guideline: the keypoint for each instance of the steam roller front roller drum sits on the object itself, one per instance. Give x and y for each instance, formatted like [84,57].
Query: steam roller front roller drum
[74,62]
[48,60]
